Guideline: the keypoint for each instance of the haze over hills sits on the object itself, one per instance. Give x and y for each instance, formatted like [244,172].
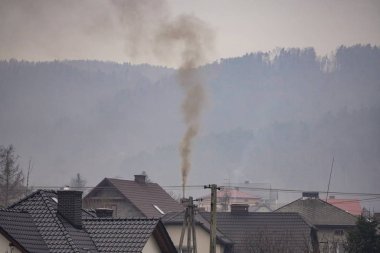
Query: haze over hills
[275,117]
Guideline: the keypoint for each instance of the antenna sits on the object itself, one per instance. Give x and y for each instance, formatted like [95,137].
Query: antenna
[328,186]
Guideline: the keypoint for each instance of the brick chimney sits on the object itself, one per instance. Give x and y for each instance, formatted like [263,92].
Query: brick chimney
[140,179]
[70,206]
[239,209]
[104,212]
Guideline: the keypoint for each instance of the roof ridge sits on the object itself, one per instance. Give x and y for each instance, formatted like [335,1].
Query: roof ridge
[57,221]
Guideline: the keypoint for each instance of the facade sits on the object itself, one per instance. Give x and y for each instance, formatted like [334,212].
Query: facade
[49,221]
[128,198]
[332,222]
[228,196]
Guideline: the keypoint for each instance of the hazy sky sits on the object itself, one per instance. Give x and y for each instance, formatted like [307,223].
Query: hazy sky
[95,29]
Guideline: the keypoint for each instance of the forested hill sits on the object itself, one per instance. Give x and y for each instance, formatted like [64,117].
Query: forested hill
[275,117]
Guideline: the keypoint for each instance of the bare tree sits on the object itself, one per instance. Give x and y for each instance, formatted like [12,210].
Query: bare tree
[11,176]
[78,183]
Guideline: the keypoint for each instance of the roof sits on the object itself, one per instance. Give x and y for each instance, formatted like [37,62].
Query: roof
[351,206]
[287,231]
[319,212]
[120,235]
[19,228]
[59,235]
[144,196]
[176,218]
[37,215]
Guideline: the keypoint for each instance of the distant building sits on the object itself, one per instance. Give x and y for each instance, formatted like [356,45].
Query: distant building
[128,198]
[228,196]
[332,222]
[351,206]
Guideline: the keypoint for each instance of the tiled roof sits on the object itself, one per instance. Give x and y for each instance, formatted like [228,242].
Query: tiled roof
[349,205]
[21,228]
[145,196]
[120,235]
[59,238]
[319,212]
[252,231]
[176,218]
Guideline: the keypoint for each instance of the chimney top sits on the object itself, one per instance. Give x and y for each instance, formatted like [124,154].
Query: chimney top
[310,195]
[239,209]
[332,197]
[140,179]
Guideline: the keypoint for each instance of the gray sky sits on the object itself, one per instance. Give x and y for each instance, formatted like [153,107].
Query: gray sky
[95,29]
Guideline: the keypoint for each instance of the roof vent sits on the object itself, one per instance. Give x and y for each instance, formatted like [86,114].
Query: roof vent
[239,209]
[140,179]
[70,206]
[310,195]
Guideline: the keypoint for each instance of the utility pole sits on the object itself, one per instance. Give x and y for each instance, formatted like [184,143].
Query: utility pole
[189,222]
[214,189]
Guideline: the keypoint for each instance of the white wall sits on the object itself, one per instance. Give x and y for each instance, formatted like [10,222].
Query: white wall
[203,238]
[4,246]
[151,246]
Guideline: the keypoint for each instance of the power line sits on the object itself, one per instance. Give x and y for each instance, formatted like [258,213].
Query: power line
[286,190]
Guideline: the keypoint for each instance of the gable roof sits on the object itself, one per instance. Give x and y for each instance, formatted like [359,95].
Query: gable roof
[58,234]
[122,235]
[20,229]
[288,231]
[39,213]
[351,206]
[319,212]
[144,196]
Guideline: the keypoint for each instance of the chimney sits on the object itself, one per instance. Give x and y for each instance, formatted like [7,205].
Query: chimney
[332,197]
[140,179]
[70,206]
[310,195]
[104,212]
[239,209]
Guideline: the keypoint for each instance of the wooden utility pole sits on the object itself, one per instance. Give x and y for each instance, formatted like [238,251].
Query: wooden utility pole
[214,189]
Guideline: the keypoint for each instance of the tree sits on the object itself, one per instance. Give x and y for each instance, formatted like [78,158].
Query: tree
[363,238]
[78,183]
[11,176]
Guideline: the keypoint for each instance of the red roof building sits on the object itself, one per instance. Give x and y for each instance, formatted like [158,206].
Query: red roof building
[351,206]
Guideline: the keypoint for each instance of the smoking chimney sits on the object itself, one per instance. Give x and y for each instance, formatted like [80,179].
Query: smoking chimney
[140,179]
[70,206]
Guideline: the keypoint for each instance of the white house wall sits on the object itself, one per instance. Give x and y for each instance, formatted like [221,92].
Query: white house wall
[203,238]
[4,246]
[151,246]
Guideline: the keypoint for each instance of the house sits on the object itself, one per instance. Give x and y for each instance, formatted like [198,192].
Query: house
[128,198]
[173,223]
[351,206]
[332,222]
[49,221]
[265,232]
[228,196]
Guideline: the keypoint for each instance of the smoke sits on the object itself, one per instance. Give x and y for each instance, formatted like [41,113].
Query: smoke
[185,41]
[146,30]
